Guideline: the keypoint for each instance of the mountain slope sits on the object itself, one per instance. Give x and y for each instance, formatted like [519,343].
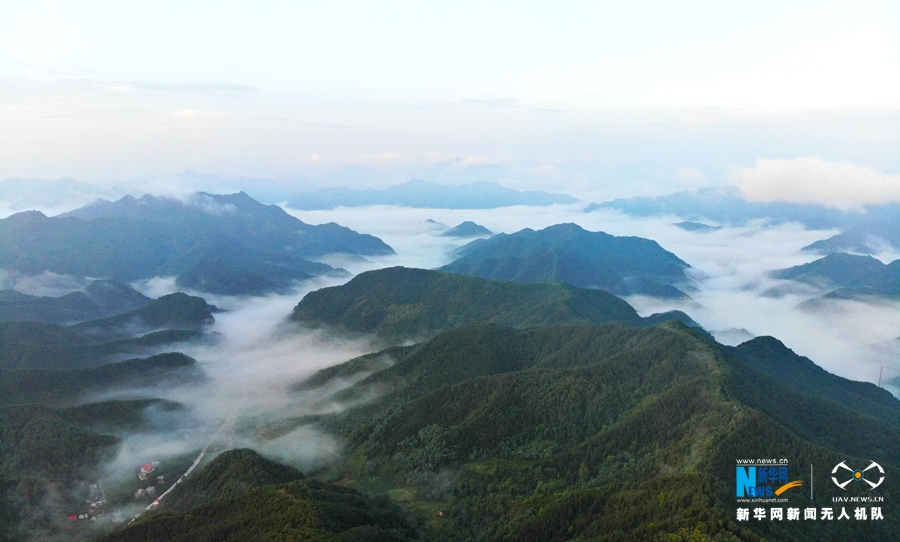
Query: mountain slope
[51,386]
[46,456]
[424,194]
[133,239]
[617,432]
[838,269]
[568,253]
[867,236]
[172,311]
[230,474]
[400,304]
[243,496]
[849,275]
[41,345]
[29,345]
[99,299]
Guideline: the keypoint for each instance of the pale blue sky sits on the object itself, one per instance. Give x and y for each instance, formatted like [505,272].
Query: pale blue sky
[626,97]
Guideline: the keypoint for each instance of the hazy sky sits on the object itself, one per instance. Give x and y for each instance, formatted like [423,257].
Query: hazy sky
[624,97]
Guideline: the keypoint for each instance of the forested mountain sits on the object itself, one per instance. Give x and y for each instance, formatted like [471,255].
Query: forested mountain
[53,386]
[848,275]
[242,496]
[568,253]
[98,299]
[605,432]
[176,317]
[171,311]
[400,304]
[424,194]
[228,244]
[230,474]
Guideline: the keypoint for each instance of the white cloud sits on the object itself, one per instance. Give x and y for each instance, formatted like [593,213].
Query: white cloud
[383,158]
[843,185]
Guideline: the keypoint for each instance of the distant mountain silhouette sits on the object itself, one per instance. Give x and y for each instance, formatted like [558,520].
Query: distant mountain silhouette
[424,194]
[229,244]
[848,276]
[868,236]
[468,229]
[863,232]
[726,205]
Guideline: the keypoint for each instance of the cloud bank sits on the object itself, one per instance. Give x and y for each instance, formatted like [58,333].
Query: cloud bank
[844,185]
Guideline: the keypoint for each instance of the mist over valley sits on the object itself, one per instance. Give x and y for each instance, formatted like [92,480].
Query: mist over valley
[161,369]
[349,272]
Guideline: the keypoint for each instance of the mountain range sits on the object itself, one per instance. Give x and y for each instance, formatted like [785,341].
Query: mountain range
[571,254]
[424,194]
[228,244]
[864,231]
[98,299]
[603,432]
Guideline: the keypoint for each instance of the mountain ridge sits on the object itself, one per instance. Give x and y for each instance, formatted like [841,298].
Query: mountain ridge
[400,304]
[140,238]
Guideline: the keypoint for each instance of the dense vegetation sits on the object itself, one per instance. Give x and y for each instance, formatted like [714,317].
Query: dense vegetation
[33,345]
[133,239]
[568,253]
[242,496]
[399,304]
[230,474]
[603,432]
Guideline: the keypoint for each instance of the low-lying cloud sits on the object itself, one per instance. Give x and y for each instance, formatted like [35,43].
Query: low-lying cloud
[730,270]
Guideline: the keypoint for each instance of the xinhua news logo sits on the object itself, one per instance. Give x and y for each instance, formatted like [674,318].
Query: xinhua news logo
[764,480]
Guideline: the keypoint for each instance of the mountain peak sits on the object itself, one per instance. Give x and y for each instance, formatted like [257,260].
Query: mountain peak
[569,253]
